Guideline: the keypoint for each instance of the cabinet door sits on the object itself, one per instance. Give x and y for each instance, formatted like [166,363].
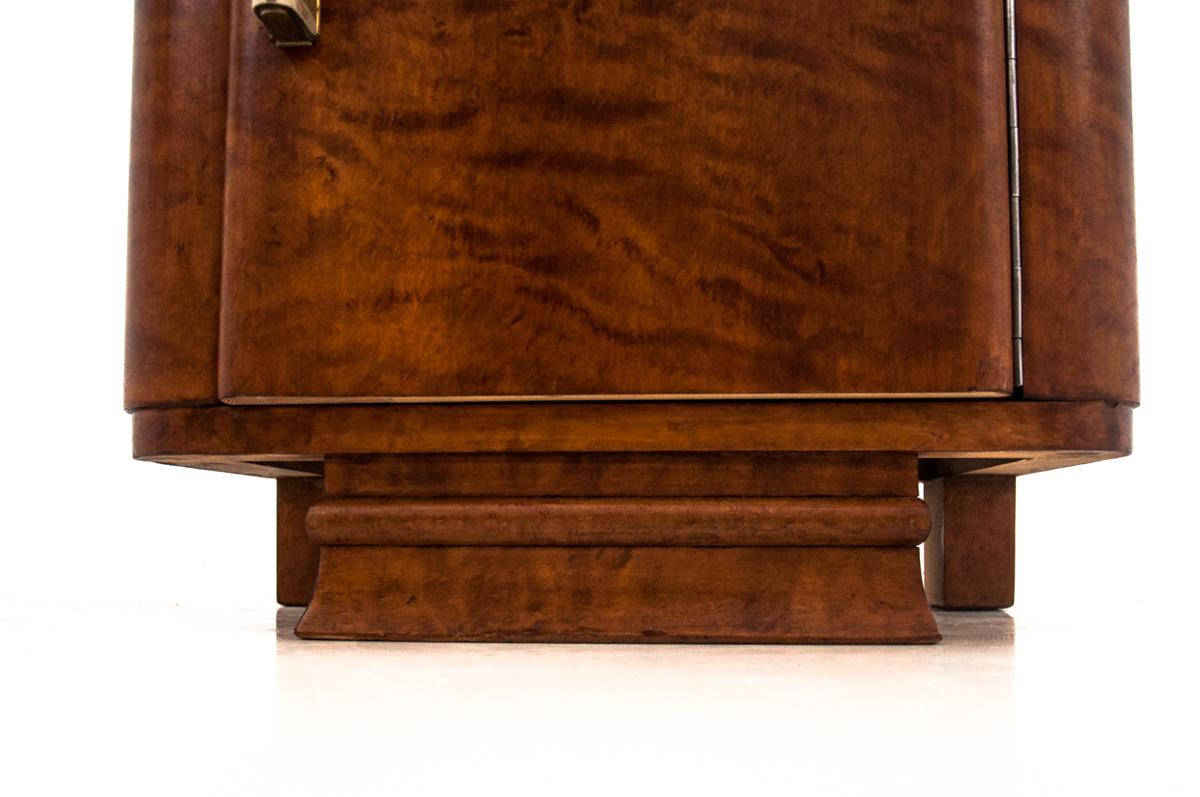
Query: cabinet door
[642,198]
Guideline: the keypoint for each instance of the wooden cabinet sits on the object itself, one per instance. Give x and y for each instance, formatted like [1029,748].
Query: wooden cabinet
[606,199]
[616,319]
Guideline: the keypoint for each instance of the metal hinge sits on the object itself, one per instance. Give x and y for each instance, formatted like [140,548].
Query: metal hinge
[291,23]
[1014,187]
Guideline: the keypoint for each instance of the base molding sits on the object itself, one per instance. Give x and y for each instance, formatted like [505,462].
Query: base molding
[763,594]
[656,547]
[622,522]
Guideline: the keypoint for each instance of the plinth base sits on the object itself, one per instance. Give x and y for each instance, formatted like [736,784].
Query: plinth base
[734,520]
[620,594]
[762,548]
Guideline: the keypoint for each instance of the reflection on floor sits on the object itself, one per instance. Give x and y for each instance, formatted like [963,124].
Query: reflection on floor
[179,700]
[958,628]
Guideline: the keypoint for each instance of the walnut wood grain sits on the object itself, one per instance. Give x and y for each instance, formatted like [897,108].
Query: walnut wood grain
[970,556]
[615,594]
[176,184]
[596,475]
[619,199]
[1077,226]
[694,522]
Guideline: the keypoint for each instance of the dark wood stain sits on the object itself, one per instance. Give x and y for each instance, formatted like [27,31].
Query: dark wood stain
[694,522]
[594,474]
[840,171]
[401,560]
[447,203]
[176,184]
[552,594]
[970,555]
[1026,430]
[1077,226]
[296,557]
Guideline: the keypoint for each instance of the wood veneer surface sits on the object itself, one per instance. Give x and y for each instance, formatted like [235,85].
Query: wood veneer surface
[620,594]
[609,474]
[970,555]
[176,183]
[296,556]
[1077,226]
[687,522]
[930,429]
[613,198]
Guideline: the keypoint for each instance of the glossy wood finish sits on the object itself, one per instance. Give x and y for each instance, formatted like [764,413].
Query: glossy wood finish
[677,522]
[688,449]
[296,557]
[971,551]
[176,185]
[1080,302]
[585,594]
[610,198]
[1021,436]
[596,475]
[1077,228]
[619,199]
[631,565]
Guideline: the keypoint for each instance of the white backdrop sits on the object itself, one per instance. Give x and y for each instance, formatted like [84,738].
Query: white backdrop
[136,600]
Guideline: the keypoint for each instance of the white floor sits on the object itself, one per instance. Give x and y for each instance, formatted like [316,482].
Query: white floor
[129,698]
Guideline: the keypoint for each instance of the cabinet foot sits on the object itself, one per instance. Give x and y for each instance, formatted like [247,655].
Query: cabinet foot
[296,556]
[970,553]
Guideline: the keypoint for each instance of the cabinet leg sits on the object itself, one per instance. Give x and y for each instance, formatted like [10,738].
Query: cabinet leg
[296,557]
[970,552]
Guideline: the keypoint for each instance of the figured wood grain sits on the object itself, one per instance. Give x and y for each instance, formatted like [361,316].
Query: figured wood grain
[615,474]
[620,594]
[176,183]
[618,198]
[1077,225]
[970,556]
[620,521]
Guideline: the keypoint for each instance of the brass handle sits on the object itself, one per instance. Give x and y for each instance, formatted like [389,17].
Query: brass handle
[291,23]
